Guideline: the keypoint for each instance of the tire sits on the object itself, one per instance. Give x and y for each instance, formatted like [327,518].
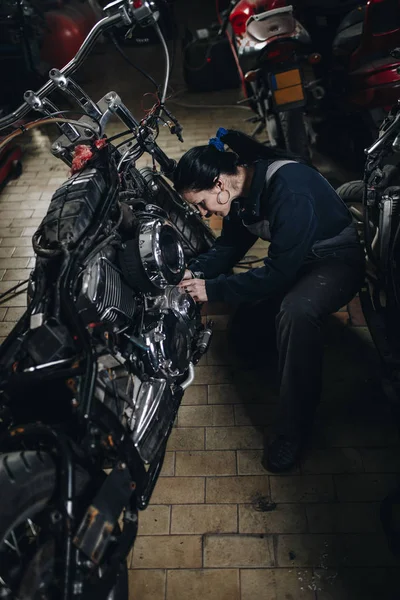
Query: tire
[351,191]
[294,133]
[27,483]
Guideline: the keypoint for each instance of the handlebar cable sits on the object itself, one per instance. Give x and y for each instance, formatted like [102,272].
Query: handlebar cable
[44,121]
[132,64]
[75,112]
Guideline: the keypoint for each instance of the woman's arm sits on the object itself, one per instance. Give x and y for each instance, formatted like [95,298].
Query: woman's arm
[235,240]
[292,235]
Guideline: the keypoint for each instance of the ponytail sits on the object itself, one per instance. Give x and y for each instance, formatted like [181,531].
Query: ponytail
[200,166]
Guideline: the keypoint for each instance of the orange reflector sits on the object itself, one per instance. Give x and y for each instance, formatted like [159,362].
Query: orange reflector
[251,76]
[288,95]
[289,78]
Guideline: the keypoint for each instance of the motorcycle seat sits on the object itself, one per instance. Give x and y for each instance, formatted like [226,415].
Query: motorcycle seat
[349,32]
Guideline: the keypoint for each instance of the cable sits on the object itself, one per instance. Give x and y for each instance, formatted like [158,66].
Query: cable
[118,135]
[44,121]
[75,112]
[7,295]
[128,60]
[184,105]
[167,62]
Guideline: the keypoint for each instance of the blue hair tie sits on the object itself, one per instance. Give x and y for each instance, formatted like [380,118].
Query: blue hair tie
[217,144]
[216,141]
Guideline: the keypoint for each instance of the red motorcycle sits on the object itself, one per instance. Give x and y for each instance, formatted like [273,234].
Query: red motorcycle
[317,69]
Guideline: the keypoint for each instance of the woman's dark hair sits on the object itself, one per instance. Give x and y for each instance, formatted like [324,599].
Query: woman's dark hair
[200,166]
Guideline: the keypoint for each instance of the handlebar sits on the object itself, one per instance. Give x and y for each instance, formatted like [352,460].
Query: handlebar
[72,66]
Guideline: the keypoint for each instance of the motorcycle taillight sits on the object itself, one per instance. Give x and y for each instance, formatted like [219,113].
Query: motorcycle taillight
[280,52]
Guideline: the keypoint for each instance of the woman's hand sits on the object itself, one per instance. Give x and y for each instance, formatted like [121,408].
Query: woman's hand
[187,275]
[196,288]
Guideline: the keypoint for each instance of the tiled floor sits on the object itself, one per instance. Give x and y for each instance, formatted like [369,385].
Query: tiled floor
[219,526]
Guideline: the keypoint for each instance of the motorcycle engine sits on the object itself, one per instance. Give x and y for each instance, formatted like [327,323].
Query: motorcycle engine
[169,330]
[104,296]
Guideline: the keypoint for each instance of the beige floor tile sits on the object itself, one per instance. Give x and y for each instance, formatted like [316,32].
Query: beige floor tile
[255,414]
[270,518]
[167,552]
[155,520]
[233,438]
[205,416]
[234,490]
[195,416]
[21,251]
[194,395]
[224,394]
[212,375]
[10,231]
[238,551]
[168,468]
[179,490]
[277,584]
[148,584]
[16,241]
[249,462]
[203,584]
[204,518]
[189,438]
[6,252]
[306,488]
[210,462]
[14,313]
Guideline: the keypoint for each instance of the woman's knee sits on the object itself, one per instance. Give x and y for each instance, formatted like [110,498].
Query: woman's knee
[299,309]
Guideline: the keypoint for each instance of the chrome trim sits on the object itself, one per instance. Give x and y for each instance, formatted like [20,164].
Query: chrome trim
[190,377]
[150,251]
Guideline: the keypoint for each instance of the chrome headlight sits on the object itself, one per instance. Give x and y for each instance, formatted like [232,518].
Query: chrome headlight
[154,258]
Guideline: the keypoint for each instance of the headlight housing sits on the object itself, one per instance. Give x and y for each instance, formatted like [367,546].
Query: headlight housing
[154,258]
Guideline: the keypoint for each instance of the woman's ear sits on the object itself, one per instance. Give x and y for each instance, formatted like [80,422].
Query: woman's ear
[219,183]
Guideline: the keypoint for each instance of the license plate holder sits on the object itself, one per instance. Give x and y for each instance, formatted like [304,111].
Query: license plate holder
[287,89]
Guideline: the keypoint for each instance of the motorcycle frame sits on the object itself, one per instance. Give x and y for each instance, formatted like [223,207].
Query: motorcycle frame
[90,414]
[386,144]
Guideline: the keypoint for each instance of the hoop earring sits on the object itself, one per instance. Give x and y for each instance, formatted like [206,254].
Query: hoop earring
[218,197]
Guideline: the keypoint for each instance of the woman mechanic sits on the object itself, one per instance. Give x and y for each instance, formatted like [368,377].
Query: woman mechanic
[314,264]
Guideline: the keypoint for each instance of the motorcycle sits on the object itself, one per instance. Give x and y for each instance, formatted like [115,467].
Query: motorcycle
[375,204]
[336,90]
[92,375]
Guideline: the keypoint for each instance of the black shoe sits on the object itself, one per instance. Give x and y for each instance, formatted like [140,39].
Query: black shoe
[281,454]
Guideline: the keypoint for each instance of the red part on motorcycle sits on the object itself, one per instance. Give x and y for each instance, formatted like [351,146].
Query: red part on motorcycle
[374,76]
[376,84]
[380,32]
[66,30]
[246,8]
